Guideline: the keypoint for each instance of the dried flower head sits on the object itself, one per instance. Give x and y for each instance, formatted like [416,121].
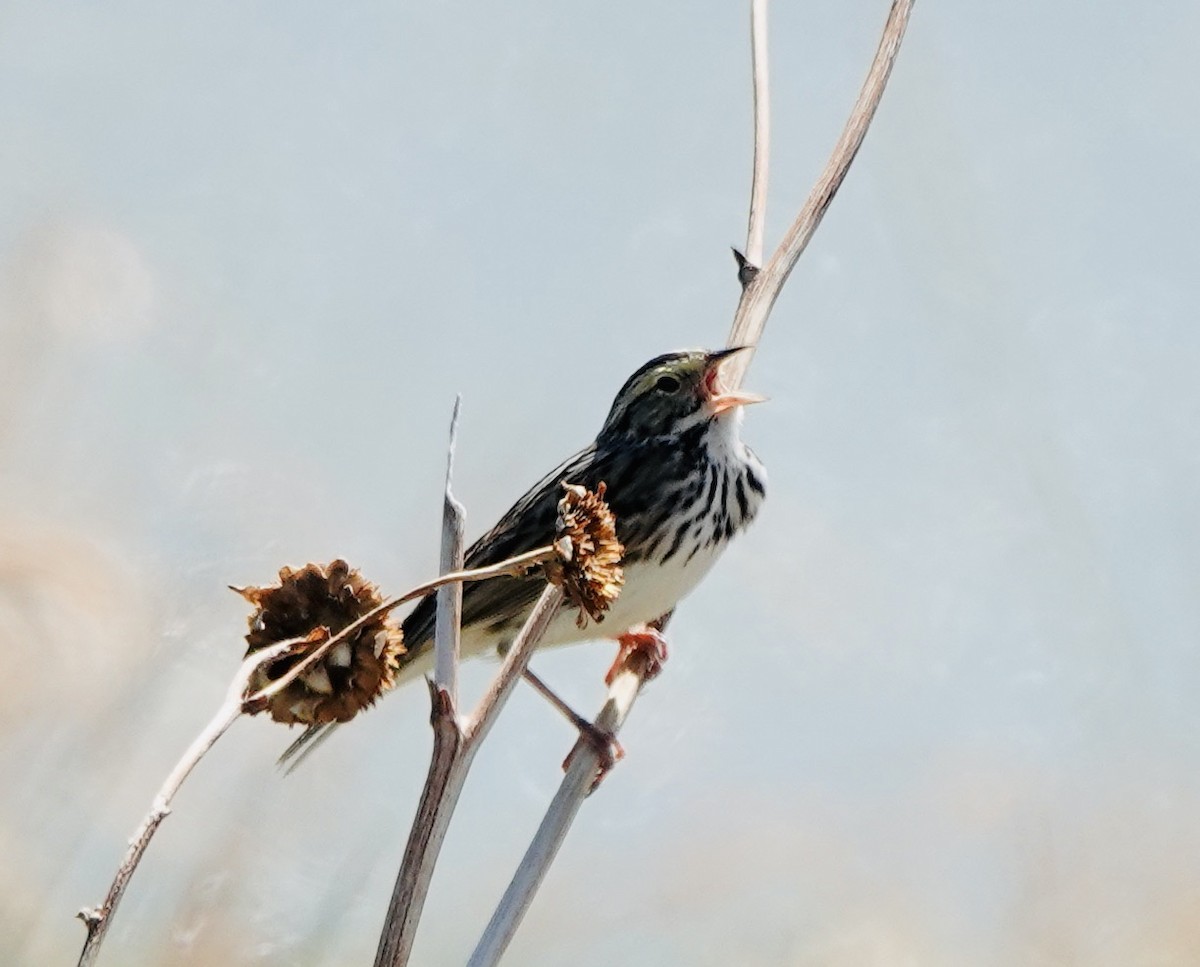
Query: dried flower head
[315,603]
[589,555]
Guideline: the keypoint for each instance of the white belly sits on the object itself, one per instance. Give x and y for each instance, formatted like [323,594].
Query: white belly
[650,591]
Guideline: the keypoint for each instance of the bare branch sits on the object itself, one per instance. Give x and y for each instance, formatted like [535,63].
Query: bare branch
[759,297]
[98,919]
[515,566]
[757,221]
[443,783]
[448,626]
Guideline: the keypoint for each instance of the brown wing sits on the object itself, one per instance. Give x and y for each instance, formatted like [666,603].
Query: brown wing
[528,524]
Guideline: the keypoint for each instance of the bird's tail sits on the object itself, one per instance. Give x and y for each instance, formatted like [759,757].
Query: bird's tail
[311,739]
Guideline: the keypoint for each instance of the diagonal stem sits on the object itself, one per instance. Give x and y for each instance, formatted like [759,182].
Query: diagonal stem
[98,919]
[516,566]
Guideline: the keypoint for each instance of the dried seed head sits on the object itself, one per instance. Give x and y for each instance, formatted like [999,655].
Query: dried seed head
[315,603]
[589,555]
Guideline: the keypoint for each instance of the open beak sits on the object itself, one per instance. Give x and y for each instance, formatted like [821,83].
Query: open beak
[716,396]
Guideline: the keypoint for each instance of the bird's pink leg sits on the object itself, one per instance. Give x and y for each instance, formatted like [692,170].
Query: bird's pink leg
[605,743]
[646,639]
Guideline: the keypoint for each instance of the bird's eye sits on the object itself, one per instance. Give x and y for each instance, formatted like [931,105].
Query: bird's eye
[667,384]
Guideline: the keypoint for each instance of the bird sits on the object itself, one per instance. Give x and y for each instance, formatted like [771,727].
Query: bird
[680,482]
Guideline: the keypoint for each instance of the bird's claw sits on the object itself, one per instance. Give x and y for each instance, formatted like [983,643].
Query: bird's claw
[608,751]
[603,743]
[650,642]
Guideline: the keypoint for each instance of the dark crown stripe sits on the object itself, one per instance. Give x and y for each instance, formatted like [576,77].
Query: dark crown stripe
[646,367]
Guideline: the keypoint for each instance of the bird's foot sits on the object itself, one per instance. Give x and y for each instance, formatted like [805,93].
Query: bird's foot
[608,750]
[651,642]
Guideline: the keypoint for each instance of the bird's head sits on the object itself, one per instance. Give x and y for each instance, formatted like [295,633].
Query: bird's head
[673,392]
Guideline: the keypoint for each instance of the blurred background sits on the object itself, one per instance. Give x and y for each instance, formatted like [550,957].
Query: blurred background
[938,707]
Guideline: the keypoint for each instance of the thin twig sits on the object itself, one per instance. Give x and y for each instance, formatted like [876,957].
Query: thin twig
[514,566]
[515,663]
[759,296]
[454,748]
[757,221]
[98,919]
[556,701]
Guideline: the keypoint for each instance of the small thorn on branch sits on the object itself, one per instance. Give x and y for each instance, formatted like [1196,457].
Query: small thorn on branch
[747,271]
